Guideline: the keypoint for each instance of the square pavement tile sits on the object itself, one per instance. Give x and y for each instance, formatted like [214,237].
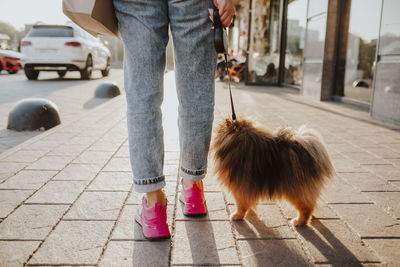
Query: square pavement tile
[28,180]
[136,253]
[43,144]
[27,156]
[384,152]
[203,243]
[346,165]
[215,206]
[118,181]
[368,220]
[31,221]
[339,191]
[4,175]
[332,242]
[50,163]
[365,158]
[265,222]
[123,152]
[73,243]
[80,172]
[395,162]
[68,150]
[171,178]
[10,199]
[388,249]
[93,157]
[97,206]
[81,140]
[171,170]
[128,229]
[118,165]
[10,168]
[104,145]
[212,184]
[58,192]
[386,172]
[367,181]
[272,253]
[14,253]
[389,201]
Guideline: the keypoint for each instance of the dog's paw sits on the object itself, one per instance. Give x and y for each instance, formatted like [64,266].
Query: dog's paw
[296,222]
[237,216]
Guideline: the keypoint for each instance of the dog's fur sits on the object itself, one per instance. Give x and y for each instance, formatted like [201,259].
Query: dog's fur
[254,164]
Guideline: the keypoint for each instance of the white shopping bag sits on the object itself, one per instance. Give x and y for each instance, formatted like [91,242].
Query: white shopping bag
[95,16]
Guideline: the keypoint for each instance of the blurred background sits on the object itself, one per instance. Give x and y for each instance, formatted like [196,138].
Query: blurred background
[18,16]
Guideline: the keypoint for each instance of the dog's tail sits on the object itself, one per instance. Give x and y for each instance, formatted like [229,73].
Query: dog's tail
[312,142]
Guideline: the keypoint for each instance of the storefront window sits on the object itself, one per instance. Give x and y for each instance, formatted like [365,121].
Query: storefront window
[263,58]
[295,34]
[361,48]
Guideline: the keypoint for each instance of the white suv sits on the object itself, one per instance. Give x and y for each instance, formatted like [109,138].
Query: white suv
[63,48]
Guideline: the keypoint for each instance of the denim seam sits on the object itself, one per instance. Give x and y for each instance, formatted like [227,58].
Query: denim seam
[147,181]
[193,172]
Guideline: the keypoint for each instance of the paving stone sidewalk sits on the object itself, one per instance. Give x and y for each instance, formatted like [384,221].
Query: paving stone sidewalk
[66,196]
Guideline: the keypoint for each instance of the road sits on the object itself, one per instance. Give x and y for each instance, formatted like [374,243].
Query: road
[72,96]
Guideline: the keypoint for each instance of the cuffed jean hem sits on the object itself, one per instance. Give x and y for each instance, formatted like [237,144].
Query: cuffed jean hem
[149,185]
[192,175]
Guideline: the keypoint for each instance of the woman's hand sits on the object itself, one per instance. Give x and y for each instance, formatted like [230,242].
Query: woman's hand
[226,11]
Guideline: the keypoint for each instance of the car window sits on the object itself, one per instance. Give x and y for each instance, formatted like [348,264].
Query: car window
[51,32]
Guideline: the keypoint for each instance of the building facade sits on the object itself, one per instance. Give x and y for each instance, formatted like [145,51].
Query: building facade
[341,50]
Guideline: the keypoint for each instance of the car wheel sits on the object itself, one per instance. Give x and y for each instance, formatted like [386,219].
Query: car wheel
[61,73]
[106,71]
[12,71]
[31,74]
[86,73]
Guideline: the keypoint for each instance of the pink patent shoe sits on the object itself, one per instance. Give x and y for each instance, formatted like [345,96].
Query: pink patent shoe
[193,200]
[153,221]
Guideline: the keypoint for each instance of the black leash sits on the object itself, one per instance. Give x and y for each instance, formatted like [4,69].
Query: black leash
[230,90]
[221,46]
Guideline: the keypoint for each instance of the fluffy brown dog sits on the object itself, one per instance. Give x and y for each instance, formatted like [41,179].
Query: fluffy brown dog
[255,164]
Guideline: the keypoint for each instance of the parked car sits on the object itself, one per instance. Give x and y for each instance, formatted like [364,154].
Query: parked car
[10,61]
[63,48]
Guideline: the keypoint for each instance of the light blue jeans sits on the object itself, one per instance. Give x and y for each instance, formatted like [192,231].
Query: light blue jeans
[144,30]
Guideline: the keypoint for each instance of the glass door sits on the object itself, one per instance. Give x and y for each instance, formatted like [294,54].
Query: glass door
[361,48]
[264,42]
[295,39]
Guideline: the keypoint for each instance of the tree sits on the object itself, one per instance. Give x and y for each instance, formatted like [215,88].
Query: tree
[14,34]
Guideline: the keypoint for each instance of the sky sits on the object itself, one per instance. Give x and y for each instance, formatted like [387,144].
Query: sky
[21,12]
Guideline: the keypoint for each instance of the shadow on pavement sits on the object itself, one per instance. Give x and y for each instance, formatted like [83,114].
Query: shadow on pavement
[94,102]
[335,252]
[10,138]
[265,245]
[201,237]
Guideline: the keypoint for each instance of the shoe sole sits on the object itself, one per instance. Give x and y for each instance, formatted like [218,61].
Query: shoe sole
[138,221]
[192,214]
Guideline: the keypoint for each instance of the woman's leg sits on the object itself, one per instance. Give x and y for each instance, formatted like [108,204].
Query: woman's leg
[195,64]
[144,30]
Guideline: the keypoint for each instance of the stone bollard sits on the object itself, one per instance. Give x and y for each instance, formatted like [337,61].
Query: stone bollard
[33,114]
[107,90]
